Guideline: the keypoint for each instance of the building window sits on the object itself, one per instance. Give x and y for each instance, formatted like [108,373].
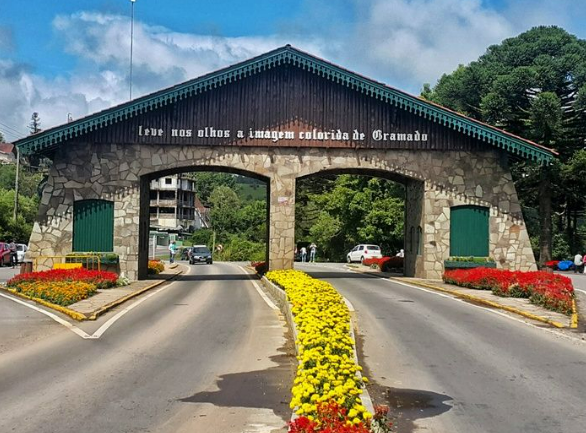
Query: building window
[168,181]
[419,240]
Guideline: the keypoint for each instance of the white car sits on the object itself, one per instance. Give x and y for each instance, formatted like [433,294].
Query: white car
[363,251]
[20,250]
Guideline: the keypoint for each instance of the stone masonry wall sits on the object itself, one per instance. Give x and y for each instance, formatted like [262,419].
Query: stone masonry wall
[114,172]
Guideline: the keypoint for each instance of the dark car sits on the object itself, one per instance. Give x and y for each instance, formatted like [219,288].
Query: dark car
[200,254]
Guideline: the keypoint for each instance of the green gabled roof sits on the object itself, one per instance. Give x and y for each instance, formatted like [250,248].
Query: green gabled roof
[49,138]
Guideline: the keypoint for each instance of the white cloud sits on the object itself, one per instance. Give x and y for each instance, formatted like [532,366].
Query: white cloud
[415,41]
[161,58]
[401,42]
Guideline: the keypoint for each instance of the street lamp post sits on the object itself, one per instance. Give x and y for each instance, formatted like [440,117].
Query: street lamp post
[131,40]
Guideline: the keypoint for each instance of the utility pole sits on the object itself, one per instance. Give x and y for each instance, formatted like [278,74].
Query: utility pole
[131,40]
[16,185]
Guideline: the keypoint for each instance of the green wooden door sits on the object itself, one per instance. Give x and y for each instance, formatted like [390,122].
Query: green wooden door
[93,225]
[469,231]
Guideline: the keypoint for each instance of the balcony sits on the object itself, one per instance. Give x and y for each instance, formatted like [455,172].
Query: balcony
[163,203]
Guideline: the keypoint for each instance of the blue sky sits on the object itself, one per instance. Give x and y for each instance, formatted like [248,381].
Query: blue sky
[71,56]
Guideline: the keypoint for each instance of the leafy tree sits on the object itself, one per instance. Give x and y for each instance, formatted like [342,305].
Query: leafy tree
[349,209]
[206,182]
[202,237]
[326,229]
[223,206]
[28,182]
[1,137]
[533,85]
[35,123]
[21,228]
[238,221]
[253,221]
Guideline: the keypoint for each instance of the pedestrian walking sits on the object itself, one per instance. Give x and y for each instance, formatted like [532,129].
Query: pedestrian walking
[13,255]
[312,251]
[578,263]
[303,254]
[172,251]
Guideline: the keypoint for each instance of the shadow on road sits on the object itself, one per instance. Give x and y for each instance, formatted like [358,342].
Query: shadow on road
[243,277]
[217,277]
[268,388]
[409,405]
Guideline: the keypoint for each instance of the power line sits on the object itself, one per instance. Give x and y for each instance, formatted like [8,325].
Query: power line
[12,130]
[10,136]
[15,129]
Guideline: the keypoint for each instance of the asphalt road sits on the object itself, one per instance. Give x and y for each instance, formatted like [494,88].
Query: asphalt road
[449,366]
[206,354]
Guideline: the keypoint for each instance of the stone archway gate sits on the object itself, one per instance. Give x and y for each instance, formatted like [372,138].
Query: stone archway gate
[281,116]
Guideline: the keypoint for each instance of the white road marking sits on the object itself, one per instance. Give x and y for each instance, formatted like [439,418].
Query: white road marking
[113,319]
[56,318]
[580,290]
[260,291]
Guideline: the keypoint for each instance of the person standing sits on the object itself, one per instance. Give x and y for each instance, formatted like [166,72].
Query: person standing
[312,251]
[13,255]
[578,263]
[303,254]
[172,251]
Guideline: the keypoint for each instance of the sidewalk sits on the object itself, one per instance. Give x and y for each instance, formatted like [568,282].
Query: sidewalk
[519,306]
[106,299]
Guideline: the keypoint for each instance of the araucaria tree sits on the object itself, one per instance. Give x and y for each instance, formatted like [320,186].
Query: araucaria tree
[534,86]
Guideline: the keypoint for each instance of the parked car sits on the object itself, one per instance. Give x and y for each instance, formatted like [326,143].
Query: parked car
[4,254]
[363,251]
[200,254]
[21,249]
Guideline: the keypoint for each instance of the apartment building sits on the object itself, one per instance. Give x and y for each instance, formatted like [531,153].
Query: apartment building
[174,206]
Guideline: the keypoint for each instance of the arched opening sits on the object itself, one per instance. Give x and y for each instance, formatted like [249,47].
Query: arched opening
[223,208]
[344,212]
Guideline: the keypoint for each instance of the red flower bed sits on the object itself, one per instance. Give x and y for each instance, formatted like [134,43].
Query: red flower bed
[385,264]
[552,264]
[331,418]
[100,279]
[261,268]
[551,291]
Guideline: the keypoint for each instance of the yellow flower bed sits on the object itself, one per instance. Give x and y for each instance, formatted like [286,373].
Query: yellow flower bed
[57,292]
[327,370]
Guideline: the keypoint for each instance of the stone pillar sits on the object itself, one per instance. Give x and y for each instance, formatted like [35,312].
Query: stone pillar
[126,231]
[435,232]
[413,244]
[281,221]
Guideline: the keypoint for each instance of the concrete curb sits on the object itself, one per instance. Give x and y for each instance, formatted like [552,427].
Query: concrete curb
[71,313]
[485,302]
[280,299]
[108,307]
[575,314]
